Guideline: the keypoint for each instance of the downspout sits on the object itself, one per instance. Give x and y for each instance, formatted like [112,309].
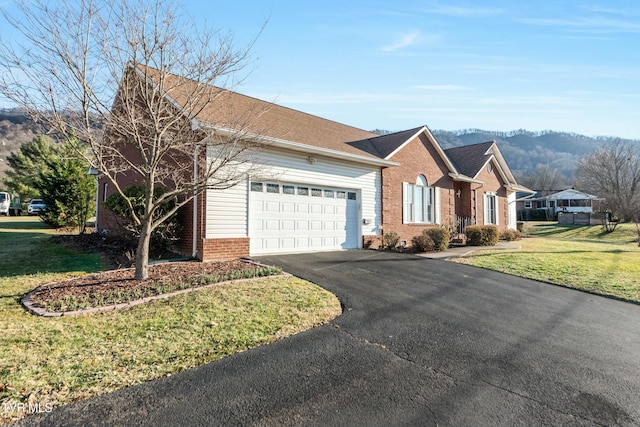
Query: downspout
[194,249]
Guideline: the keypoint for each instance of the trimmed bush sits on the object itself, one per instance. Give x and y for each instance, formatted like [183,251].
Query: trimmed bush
[390,240]
[482,235]
[511,235]
[440,237]
[422,243]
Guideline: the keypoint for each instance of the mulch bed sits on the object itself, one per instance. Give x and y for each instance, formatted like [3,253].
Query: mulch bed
[123,280]
[119,285]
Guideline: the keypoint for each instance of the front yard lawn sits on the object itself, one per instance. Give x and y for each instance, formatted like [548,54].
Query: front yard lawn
[47,362]
[581,257]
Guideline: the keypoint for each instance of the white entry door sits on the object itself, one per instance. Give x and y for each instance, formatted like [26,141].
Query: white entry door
[301,218]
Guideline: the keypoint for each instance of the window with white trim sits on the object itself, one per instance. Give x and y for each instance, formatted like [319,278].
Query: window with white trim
[490,209]
[418,202]
[527,204]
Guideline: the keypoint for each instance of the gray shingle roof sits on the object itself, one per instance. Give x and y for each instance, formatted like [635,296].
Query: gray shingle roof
[384,145]
[469,159]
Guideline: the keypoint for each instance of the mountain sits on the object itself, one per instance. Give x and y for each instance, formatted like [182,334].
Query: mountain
[523,150]
[16,128]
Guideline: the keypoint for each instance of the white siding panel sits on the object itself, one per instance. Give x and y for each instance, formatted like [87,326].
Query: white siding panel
[227,210]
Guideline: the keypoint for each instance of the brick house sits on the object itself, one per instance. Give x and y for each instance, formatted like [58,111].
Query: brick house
[322,185]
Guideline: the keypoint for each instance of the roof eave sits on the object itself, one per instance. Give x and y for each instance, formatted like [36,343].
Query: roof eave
[304,148]
[463,178]
[521,188]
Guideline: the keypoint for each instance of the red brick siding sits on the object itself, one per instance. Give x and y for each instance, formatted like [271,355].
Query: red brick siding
[416,158]
[223,248]
[493,183]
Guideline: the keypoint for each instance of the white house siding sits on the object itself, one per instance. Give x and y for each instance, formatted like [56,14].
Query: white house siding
[227,210]
[511,203]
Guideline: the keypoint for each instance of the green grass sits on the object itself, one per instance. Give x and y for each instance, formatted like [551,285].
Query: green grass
[53,361]
[584,258]
[24,249]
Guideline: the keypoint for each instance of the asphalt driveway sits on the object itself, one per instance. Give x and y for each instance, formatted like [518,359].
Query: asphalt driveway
[420,342]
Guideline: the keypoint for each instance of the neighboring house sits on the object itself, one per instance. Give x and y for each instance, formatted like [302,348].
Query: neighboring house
[547,204]
[322,185]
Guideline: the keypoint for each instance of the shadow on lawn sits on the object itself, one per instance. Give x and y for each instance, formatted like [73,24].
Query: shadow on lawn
[23,223]
[30,252]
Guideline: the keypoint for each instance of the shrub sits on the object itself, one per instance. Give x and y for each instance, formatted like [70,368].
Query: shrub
[163,237]
[422,243]
[440,237]
[482,235]
[390,240]
[511,235]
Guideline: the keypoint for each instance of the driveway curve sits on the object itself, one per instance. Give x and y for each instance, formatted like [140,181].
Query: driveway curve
[420,342]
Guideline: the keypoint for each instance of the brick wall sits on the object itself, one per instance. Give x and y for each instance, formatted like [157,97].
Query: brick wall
[223,248]
[416,158]
[493,182]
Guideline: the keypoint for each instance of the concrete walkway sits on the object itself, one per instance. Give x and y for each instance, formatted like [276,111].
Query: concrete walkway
[463,251]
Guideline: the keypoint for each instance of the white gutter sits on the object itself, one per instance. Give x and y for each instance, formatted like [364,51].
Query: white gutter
[516,187]
[464,178]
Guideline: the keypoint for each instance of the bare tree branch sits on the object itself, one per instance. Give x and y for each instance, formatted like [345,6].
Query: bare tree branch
[137,84]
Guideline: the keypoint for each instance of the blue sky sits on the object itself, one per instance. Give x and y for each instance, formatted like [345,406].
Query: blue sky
[497,65]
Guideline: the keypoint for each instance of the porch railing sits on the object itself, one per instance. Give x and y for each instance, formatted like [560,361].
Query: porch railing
[462,222]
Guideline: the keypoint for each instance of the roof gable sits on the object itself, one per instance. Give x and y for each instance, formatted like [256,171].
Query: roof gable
[386,145]
[470,159]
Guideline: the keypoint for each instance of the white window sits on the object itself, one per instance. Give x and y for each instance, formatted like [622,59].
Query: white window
[419,202]
[490,208]
[527,204]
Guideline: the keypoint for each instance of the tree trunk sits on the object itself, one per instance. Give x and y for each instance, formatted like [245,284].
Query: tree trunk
[142,253]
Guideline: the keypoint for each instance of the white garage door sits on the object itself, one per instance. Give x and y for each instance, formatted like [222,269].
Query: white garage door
[299,218]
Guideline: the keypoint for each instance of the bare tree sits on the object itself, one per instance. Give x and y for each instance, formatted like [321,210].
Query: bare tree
[132,80]
[545,178]
[613,172]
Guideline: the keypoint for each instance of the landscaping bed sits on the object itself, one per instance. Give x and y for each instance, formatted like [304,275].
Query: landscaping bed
[119,286]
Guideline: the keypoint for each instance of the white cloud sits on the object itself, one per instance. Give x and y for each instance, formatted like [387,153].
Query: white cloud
[409,39]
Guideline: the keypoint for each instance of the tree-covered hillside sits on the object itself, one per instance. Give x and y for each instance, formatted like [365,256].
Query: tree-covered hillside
[15,129]
[525,150]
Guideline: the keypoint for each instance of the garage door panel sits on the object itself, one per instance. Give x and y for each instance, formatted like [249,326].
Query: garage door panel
[272,225]
[272,243]
[288,207]
[296,221]
[288,243]
[315,242]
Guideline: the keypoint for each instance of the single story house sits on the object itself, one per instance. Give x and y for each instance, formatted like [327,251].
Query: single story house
[321,185]
[547,204]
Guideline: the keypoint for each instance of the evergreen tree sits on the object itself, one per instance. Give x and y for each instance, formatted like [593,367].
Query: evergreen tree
[67,190]
[28,163]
